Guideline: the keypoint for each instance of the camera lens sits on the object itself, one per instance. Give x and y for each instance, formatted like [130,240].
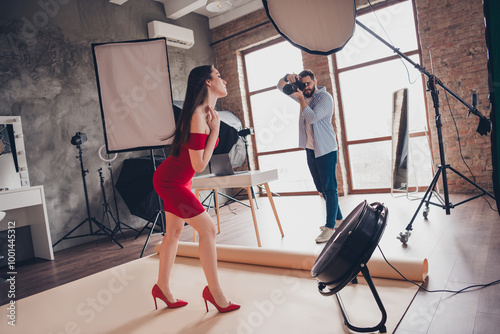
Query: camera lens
[289,89]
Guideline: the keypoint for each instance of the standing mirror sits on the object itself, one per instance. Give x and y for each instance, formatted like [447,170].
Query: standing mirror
[13,165]
[400,142]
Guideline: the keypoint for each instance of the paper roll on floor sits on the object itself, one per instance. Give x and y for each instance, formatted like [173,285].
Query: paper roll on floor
[412,268]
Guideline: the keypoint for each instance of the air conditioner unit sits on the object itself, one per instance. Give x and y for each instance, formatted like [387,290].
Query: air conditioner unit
[176,36]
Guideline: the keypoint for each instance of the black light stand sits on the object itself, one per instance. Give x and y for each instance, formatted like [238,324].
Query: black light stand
[106,209]
[89,219]
[159,215]
[243,136]
[211,195]
[241,133]
[484,127]
[118,226]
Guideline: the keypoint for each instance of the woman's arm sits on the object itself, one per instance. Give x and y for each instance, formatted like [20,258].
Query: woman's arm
[199,122]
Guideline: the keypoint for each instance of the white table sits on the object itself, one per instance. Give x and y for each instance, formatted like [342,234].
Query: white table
[244,180]
[26,206]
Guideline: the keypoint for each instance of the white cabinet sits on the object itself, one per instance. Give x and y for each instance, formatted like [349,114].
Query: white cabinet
[26,206]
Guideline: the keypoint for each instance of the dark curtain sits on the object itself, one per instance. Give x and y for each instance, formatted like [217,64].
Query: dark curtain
[492,20]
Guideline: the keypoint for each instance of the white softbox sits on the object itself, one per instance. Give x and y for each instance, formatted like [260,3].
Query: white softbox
[319,27]
[135,95]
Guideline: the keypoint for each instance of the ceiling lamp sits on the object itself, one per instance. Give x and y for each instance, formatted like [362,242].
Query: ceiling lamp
[218,5]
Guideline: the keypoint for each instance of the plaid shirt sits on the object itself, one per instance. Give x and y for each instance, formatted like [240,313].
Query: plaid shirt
[318,114]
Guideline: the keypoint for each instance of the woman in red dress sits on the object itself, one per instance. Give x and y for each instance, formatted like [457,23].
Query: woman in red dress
[195,137]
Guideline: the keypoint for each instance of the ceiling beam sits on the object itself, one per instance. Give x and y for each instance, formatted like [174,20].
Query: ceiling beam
[235,13]
[175,9]
[118,2]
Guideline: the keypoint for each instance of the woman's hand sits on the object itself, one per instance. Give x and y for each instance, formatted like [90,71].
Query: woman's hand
[213,120]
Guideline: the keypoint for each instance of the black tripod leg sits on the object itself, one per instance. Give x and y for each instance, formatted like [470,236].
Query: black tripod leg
[484,192]
[232,199]
[140,232]
[117,224]
[73,230]
[424,199]
[254,197]
[105,230]
[150,233]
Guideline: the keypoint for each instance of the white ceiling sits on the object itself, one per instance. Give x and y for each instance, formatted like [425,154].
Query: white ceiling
[175,9]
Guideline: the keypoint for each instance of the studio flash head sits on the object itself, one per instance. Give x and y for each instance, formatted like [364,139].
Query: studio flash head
[79,139]
[246,132]
[291,88]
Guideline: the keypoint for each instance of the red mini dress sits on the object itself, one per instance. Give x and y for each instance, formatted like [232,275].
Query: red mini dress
[172,180]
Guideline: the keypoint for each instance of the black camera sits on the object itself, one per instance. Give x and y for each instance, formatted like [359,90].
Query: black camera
[79,138]
[246,132]
[291,88]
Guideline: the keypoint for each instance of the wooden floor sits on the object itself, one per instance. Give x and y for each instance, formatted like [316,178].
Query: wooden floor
[463,249]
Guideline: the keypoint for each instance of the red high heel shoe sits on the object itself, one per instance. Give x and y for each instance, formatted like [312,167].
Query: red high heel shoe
[207,296]
[157,293]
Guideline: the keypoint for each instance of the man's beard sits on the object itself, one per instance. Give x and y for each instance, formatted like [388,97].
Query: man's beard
[309,92]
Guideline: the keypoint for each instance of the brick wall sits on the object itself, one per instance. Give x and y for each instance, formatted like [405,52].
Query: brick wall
[452,29]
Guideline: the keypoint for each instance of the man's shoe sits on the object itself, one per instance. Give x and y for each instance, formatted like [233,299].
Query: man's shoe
[337,224]
[325,235]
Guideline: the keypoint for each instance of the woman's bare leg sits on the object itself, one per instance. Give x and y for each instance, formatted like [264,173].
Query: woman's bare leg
[208,254]
[168,251]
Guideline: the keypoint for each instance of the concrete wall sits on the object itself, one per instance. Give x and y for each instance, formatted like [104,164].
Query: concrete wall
[47,77]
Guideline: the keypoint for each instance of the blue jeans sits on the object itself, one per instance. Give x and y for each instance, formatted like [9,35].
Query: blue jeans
[324,173]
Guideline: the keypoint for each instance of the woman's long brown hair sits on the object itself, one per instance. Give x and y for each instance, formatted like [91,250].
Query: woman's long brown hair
[196,93]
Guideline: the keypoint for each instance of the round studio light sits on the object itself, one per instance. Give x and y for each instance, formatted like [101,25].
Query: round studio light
[218,5]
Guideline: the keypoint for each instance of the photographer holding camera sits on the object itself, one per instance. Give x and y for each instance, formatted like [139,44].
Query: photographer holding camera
[317,137]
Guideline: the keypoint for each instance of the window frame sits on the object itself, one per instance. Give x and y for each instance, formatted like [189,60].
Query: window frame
[337,71]
[248,96]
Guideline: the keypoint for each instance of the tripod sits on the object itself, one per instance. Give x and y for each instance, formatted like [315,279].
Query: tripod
[441,171]
[89,219]
[242,133]
[250,168]
[431,85]
[106,209]
[157,216]
[118,226]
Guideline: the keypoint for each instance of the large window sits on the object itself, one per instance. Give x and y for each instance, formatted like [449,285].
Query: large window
[275,116]
[368,74]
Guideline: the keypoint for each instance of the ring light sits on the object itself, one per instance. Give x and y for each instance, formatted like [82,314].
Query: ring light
[106,160]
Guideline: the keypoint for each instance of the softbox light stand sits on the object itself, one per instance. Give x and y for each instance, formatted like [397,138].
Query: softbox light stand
[119,223]
[484,127]
[103,230]
[230,142]
[135,96]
